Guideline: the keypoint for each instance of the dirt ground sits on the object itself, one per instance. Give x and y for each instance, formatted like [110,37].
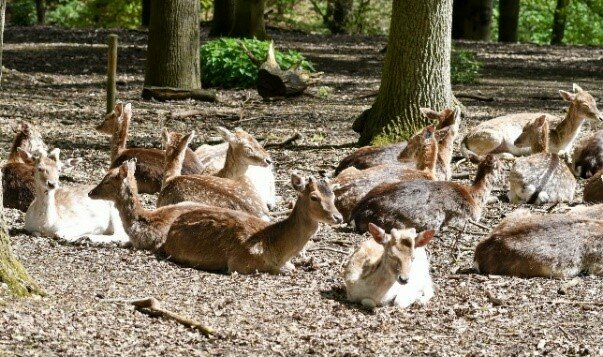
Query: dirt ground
[56,80]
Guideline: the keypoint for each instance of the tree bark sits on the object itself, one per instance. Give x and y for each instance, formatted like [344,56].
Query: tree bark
[416,72]
[222,21]
[146,13]
[559,21]
[337,17]
[173,50]
[508,20]
[2,16]
[248,20]
[41,11]
[471,19]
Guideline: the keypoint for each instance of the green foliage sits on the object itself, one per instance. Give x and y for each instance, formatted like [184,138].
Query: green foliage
[464,67]
[22,12]
[96,13]
[225,64]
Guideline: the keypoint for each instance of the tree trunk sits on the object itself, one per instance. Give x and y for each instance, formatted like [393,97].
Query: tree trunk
[248,19]
[222,21]
[2,15]
[471,19]
[173,50]
[508,20]
[416,72]
[559,22]
[41,11]
[146,13]
[338,14]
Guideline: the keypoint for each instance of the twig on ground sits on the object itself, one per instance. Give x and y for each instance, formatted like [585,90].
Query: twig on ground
[494,300]
[286,142]
[327,249]
[478,224]
[548,210]
[461,176]
[368,95]
[474,96]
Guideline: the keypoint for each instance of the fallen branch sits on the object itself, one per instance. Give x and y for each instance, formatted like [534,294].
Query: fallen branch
[461,176]
[168,93]
[286,142]
[478,224]
[369,95]
[475,96]
[327,249]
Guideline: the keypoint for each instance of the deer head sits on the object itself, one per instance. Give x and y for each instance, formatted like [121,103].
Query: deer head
[116,183]
[583,102]
[536,134]
[112,120]
[244,146]
[318,197]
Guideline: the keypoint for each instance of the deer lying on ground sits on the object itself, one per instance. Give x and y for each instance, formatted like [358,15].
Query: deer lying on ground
[234,192]
[559,245]
[587,158]
[68,213]
[149,161]
[390,268]
[18,173]
[218,239]
[593,189]
[540,177]
[498,135]
[405,152]
[426,204]
[352,184]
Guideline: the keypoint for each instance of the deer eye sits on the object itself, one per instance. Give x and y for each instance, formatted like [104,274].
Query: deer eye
[314,197]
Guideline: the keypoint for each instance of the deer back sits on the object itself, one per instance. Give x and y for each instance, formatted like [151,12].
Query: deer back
[18,185]
[587,158]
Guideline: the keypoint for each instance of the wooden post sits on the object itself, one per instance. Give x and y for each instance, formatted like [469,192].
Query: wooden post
[111,72]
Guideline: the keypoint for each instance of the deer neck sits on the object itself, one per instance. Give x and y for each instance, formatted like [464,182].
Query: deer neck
[47,207]
[118,141]
[20,142]
[284,239]
[173,167]
[233,168]
[481,187]
[428,157]
[564,134]
[131,211]
[444,156]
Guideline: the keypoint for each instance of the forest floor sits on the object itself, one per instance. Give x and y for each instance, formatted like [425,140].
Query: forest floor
[56,81]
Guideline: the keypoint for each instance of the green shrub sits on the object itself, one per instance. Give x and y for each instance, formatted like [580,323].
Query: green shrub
[225,64]
[22,12]
[464,67]
[96,13]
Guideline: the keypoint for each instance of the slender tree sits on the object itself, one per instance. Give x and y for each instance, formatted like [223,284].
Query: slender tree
[508,20]
[248,19]
[146,13]
[559,21]
[222,21]
[41,11]
[173,50]
[471,19]
[416,72]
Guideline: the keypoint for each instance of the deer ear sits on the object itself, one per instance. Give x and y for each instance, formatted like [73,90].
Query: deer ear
[123,170]
[576,88]
[189,137]
[540,120]
[70,163]
[118,109]
[25,155]
[165,137]
[567,95]
[378,233]
[423,238]
[128,109]
[430,113]
[298,182]
[226,134]
[54,154]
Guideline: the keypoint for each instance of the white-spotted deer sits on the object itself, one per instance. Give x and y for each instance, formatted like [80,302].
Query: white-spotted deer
[68,213]
[233,192]
[424,204]
[498,135]
[149,161]
[541,177]
[390,268]
[218,239]
[558,245]
[587,158]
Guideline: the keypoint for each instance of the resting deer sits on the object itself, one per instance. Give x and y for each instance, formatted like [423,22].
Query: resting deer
[540,177]
[352,184]
[148,161]
[390,268]
[218,239]
[593,189]
[425,204]
[587,158]
[406,152]
[498,135]
[559,245]
[18,172]
[68,213]
[233,192]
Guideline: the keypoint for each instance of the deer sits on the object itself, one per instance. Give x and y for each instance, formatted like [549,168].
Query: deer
[405,152]
[557,245]
[541,177]
[587,158]
[218,239]
[424,205]
[498,135]
[149,160]
[18,172]
[352,184]
[593,188]
[390,268]
[228,189]
[68,213]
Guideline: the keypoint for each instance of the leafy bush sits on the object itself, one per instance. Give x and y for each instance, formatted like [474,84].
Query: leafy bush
[464,67]
[22,12]
[96,13]
[225,64]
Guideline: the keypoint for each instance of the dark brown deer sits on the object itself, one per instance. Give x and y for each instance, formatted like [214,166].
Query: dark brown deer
[587,158]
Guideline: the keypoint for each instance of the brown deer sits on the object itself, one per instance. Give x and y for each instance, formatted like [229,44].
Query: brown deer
[498,135]
[558,245]
[233,192]
[587,158]
[424,205]
[593,189]
[541,177]
[218,239]
[149,161]
[352,184]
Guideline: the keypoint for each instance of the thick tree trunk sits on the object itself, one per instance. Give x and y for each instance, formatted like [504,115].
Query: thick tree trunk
[173,50]
[146,13]
[41,11]
[508,20]
[471,19]
[248,19]
[338,14]
[222,21]
[416,72]
[559,22]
